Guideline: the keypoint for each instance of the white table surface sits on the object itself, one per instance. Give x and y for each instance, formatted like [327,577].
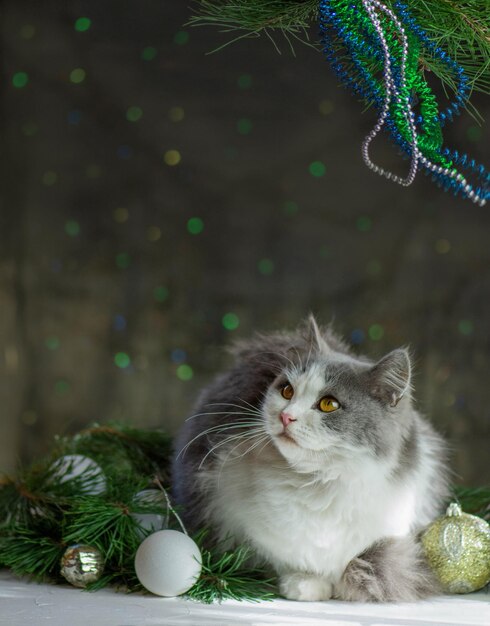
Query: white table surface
[25,603]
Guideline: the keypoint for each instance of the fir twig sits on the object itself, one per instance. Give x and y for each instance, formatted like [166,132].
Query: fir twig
[27,553]
[226,576]
[462,29]
[474,500]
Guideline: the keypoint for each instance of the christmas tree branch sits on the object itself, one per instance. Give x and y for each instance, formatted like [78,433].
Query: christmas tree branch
[459,28]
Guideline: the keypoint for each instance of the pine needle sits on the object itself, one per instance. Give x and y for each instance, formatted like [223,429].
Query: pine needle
[462,29]
[226,576]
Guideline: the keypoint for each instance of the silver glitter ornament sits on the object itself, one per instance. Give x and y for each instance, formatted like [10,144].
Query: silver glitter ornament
[81,565]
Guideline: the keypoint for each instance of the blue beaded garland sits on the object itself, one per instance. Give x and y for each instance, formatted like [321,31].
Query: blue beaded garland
[361,43]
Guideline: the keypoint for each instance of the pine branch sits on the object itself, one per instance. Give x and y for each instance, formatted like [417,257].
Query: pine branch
[459,28]
[26,553]
[474,500]
[227,576]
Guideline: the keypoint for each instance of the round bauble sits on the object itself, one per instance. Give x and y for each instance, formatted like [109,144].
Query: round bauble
[168,563]
[86,472]
[150,522]
[457,547]
[81,565]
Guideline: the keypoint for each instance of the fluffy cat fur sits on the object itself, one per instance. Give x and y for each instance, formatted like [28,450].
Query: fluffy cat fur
[332,501]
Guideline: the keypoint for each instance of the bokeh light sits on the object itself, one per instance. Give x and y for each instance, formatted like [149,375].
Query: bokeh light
[230,321]
[149,53]
[195,225]
[20,79]
[160,293]
[77,75]
[72,228]
[134,113]
[122,360]
[466,327]
[82,24]
[317,169]
[172,157]
[181,38]
[265,267]
[376,332]
[120,215]
[185,372]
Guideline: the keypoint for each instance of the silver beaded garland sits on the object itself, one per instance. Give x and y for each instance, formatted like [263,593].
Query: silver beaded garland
[392,92]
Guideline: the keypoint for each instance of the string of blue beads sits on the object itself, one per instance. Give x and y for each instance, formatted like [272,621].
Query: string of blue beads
[361,46]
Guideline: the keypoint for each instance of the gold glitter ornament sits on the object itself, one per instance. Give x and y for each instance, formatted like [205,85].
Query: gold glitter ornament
[81,565]
[457,547]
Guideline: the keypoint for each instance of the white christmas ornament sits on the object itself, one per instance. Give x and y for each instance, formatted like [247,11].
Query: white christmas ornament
[82,468]
[168,563]
[150,522]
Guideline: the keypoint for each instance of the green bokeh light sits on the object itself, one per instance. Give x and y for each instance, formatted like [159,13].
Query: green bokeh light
[82,24]
[29,129]
[20,79]
[244,81]
[373,267]
[61,387]
[317,169]
[52,343]
[27,31]
[325,251]
[376,332]
[466,327]
[123,260]
[195,225]
[291,207]
[149,53]
[122,360]
[230,321]
[77,75]
[134,113]
[474,133]
[72,228]
[160,293]
[244,126]
[181,38]
[266,267]
[50,178]
[185,372]
[364,223]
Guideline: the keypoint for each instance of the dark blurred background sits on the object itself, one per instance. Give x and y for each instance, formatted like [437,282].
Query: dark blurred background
[159,202]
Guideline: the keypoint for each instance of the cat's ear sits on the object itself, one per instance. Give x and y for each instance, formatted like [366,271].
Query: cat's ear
[390,377]
[314,335]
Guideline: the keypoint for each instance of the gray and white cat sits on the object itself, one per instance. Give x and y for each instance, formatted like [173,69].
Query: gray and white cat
[317,460]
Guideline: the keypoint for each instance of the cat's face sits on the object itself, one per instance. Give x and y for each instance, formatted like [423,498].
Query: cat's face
[336,405]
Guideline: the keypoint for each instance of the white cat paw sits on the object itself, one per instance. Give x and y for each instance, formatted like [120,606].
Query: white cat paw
[304,587]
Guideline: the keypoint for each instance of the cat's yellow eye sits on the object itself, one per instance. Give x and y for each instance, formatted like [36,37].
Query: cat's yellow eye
[328,404]
[287,391]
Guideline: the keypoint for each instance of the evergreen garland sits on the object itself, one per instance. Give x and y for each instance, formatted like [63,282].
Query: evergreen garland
[42,513]
[462,29]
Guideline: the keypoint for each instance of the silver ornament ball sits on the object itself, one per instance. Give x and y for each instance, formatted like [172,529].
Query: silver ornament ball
[81,565]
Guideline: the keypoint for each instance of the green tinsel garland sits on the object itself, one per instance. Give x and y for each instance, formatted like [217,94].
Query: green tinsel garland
[41,514]
[462,29]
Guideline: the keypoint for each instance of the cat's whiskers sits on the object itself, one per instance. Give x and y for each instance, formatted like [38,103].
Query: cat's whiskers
[218,428]
[240,437]
[250,434]
[249,410]
[262,438]
[246,412]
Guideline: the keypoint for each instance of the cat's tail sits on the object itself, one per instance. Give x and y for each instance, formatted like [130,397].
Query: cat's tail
[391,570]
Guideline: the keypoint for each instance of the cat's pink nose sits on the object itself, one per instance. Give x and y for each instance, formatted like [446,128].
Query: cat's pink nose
[286,419]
